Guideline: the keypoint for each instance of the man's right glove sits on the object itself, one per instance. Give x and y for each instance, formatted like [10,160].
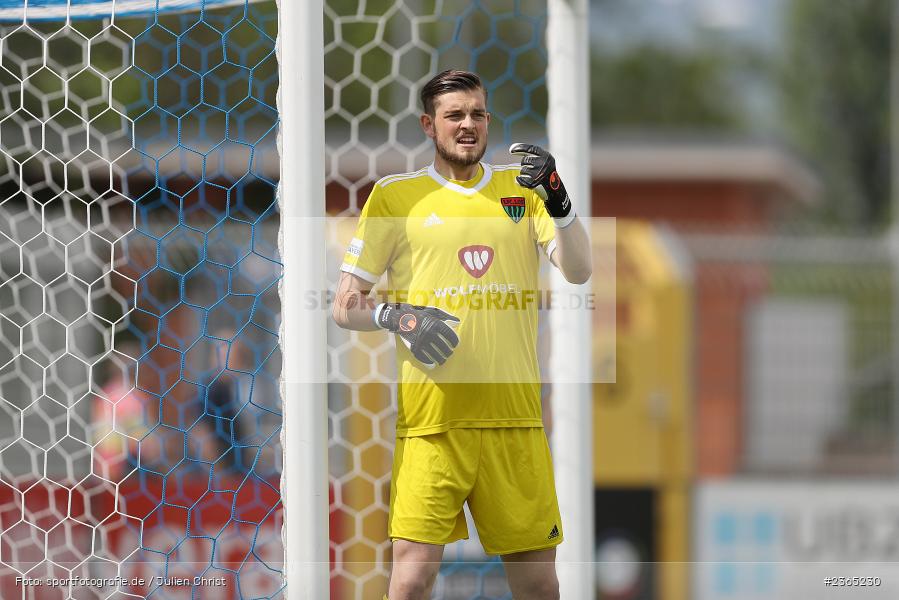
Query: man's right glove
[425,330]
[538,172]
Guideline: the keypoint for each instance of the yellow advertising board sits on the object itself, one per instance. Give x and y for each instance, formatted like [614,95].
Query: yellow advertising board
[642,419]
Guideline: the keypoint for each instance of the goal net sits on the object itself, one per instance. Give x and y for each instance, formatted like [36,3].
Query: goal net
[139,406]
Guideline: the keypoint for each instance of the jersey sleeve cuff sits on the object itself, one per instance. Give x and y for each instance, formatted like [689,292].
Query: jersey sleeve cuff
[550,248]
[563,222]
[376,314]
[361,273]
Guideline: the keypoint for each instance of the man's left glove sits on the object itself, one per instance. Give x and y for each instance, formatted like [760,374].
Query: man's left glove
[538,172]
[425,330]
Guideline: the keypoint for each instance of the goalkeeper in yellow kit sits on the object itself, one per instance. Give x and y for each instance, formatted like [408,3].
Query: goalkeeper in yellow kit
[460,242]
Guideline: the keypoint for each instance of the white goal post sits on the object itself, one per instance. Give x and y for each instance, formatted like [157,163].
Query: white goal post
[303,343]
[568,81]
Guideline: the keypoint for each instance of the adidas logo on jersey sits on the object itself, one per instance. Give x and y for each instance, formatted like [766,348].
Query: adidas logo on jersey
[432,220]
[554,533]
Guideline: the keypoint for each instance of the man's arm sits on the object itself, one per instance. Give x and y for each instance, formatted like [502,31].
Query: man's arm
[353,307]
[426,330]
[572,253]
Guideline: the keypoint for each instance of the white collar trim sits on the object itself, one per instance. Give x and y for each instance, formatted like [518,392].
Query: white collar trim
[488,173]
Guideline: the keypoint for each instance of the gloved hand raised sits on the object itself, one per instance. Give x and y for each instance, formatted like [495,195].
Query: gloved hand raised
[538,172]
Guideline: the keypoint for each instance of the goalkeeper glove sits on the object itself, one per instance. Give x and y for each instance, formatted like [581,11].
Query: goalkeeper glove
[538,173]
[425,330]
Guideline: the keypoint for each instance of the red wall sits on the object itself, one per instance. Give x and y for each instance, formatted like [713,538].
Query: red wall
[722,293]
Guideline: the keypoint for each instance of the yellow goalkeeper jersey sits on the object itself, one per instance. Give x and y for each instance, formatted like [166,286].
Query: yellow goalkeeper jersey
[471,248]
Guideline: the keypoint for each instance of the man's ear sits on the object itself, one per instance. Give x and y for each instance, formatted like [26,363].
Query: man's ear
[427,125]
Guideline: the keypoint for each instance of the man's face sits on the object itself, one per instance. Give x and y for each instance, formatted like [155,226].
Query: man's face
[459,126]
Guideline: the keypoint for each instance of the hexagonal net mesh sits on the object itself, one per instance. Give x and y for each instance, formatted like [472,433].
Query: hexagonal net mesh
[377,55]
[139,405]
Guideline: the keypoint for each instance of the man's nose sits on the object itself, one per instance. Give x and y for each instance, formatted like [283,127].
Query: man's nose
[467,122]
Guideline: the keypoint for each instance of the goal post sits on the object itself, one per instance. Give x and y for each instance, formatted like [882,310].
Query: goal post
[568,120]
[304,479]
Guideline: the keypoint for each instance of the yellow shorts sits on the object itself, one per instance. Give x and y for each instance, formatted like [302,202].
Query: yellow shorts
[505,474]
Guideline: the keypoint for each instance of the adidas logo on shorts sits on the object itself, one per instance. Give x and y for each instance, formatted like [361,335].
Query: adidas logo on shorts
[554,533]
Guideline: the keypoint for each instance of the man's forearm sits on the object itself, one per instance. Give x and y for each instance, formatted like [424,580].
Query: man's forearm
[572,254]
[353,310]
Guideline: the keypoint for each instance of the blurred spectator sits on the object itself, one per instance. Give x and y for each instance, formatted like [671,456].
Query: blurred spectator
[225,399]
[122,415]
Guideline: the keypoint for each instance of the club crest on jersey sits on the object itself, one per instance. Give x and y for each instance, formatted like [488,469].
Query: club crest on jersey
[476,259]
[514,207]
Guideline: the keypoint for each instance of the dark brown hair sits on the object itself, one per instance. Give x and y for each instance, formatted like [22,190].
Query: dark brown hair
[451,80]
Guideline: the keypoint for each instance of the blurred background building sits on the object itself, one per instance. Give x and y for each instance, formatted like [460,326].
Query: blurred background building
[745,149]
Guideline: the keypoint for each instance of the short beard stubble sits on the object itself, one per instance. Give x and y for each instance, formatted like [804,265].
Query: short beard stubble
[457,160]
